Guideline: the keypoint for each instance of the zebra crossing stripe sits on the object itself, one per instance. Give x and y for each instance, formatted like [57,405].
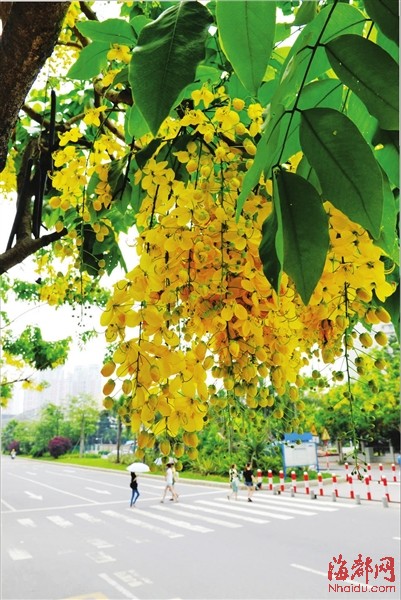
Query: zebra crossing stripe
[256,511]
[176,522]
[88,517]
[273,502]
[19,554]
[60,521]
[143,524]
[233,516]
[325,505]
[199,517]
[27,522]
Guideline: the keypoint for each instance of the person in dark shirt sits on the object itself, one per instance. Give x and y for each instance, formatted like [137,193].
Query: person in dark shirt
[249,481]
[134,487]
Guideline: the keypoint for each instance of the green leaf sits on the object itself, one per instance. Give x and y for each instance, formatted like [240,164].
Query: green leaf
[91,60]
[305,231]
[135,122]
[111,31]
[370,72]
[165,59]
[348,172]
[246,32]
[388,239]
[385,14]
[269,254]
[305,13]
[267,153]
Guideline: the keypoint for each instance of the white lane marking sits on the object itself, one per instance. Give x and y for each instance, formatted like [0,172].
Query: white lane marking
[132,578]
[100,557]
[88,517]
[10,508]
[98,491]
[300,509]
[218,512]
[302,505]
[31,473]
[199,517]
[19,554]
[27,522]
[255,511]
[60,521]
[98,543]
[396,538]
[176,522]
[308,501]
[322,573]
[143,524]
[50,487]
[33,496]
[117,586]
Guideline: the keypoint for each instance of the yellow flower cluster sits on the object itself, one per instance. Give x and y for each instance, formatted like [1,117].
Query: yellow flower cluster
[198,307]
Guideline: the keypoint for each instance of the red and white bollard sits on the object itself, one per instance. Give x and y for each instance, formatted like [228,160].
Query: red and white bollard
[380,472]
[351,489]
[346,465]
[384,482]
[306,480]
[335,489]
[259,479]
[320,483]
[368,494]
[394,473]
[370,471]
[281,477]
[294,481]
[270,478]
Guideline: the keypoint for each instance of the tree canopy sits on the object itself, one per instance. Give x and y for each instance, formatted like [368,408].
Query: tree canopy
[236,161]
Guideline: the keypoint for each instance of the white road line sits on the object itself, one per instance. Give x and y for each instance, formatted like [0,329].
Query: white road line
[98,491]
[199,517]
[98,543]
[254,510]
[396,538]
[143,524]
[55,489]
[19,554]
[233,516]
[272,502]
[100,557]
[88,517]
[27,522]
[176,522]
[10,508]
[324,574]
[60,521]
[117,586]
[310,502]
[33,496]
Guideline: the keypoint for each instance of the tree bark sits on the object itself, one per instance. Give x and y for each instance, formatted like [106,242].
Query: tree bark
[29,35]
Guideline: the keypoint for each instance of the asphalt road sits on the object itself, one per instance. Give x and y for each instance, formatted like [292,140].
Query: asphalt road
[69,533]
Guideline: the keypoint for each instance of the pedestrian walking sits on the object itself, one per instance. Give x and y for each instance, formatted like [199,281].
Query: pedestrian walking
[170,483]
[234,481]
[134,487]
[249,480]
[13,453]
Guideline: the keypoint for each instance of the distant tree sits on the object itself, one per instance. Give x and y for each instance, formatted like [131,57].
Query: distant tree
[83,416]
[59,446]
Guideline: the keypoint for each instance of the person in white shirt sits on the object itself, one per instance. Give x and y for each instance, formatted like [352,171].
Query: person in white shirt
[170,484]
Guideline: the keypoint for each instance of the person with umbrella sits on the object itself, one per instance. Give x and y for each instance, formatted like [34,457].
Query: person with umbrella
[134,487]
[135,468]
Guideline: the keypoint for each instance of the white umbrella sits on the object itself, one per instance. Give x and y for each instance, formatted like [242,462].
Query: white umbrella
[170,461]
[138,467]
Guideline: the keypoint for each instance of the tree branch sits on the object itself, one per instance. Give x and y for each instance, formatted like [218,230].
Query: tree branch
[29,36]
[25,247]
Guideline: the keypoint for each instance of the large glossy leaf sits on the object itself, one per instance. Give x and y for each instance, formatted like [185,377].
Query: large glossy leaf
[246,32]
[91,60]
[385,14]
[388,239]
[370,72]
[111,31]
[304,62]
[165,59]
[304,230]
[348,172]
[270,254]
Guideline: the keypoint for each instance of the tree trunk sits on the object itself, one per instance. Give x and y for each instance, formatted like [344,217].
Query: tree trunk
[30,32]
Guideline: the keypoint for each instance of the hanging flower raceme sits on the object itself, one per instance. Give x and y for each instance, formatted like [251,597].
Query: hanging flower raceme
[197,307]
